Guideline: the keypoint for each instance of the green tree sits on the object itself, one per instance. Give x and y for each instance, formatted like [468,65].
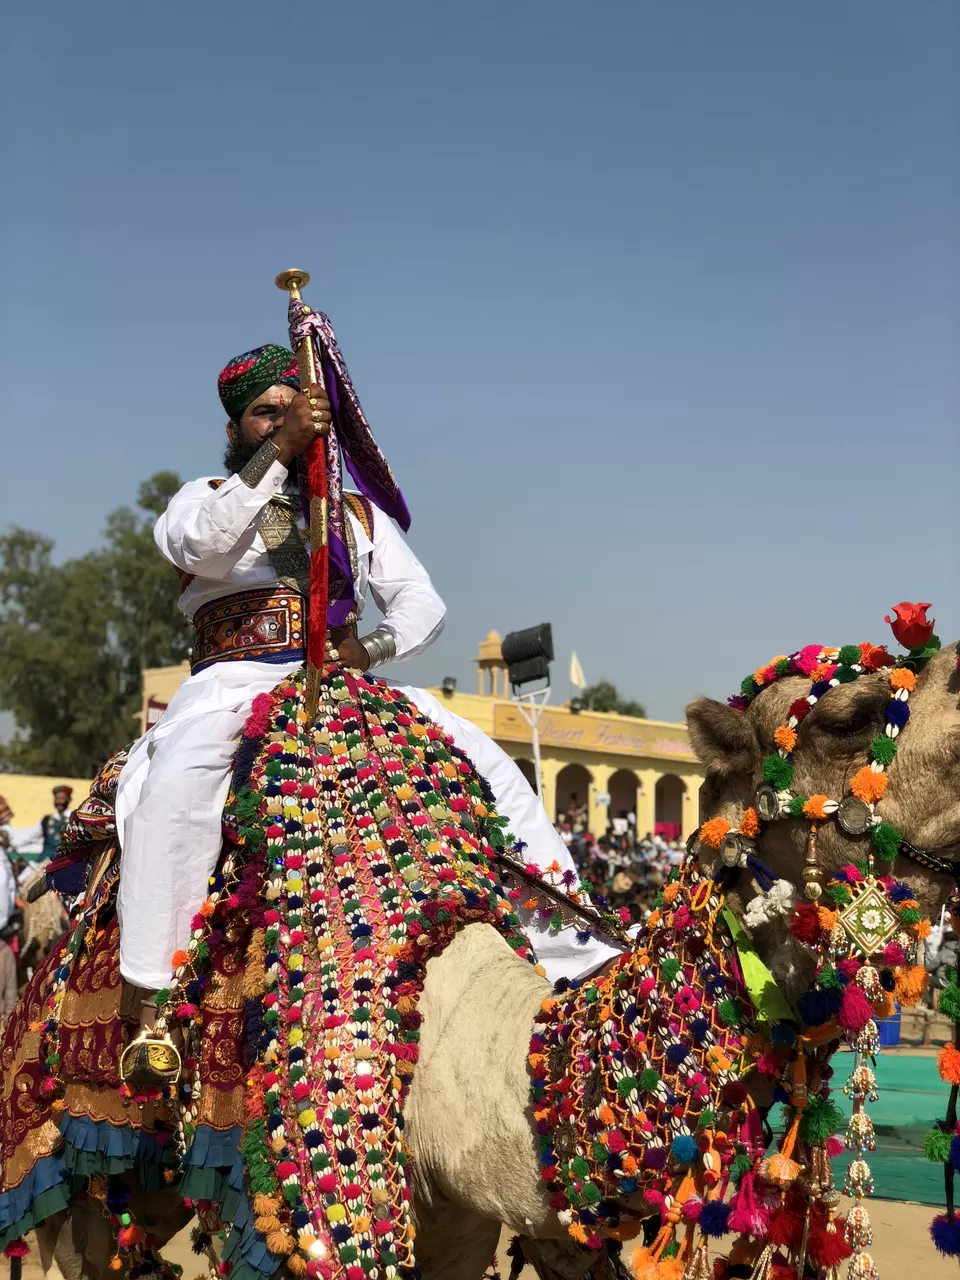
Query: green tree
[605,696]
[74,638]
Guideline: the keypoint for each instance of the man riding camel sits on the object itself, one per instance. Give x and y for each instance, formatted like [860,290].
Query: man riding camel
[238,545]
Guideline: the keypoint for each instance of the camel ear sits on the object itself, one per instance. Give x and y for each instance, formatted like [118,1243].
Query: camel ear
[722,738]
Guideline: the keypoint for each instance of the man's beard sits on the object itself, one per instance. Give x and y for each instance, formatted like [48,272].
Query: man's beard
[240,451]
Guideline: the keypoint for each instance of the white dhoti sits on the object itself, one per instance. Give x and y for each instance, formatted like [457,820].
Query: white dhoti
[170,802]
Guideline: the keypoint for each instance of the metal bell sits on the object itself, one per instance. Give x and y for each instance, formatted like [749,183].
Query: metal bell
[853,815]
[731,851]
[767,802]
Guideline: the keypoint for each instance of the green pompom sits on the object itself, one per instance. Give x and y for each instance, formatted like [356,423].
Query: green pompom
[782,667]
[849,655]
[161,998]
[843,675]
[706,1120]
[649,1079]
[730,1012]
[949,1002]
[796,804]
[821,1117]
[672,1249]
[626,1086]
[742,1164]
[580,1167]
[829,980]
[936,1146]
[778,772]
[669,970]
[747,687]
[883,749]
[886,840]
[912,915]
[839,893]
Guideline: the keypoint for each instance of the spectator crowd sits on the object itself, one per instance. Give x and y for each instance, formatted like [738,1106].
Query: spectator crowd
[620,868]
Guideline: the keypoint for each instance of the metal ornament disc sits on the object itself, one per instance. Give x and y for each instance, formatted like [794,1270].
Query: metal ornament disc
[731,850]
[768,803]
[853,815]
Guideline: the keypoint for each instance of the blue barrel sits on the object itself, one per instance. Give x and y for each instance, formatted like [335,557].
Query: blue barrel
[889,1028]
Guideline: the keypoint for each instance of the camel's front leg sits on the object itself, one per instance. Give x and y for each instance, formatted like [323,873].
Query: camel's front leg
[78,1241]
[452,1243]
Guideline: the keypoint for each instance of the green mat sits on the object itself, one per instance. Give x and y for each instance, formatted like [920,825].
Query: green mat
[912,1097]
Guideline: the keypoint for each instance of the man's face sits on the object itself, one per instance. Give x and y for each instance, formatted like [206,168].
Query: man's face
[260,420]
[60,799]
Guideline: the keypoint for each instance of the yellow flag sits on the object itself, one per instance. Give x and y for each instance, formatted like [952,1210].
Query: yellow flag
[576,672]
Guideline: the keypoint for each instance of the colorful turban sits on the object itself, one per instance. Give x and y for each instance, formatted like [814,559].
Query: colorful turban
[249,375]
[63,789]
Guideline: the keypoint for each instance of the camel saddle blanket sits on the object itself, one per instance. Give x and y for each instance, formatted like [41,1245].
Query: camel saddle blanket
[354,847]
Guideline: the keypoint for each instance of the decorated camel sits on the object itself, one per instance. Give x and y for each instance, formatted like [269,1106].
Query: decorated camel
[407,1081]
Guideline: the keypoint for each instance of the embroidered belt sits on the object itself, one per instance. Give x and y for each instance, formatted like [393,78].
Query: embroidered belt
[258,626]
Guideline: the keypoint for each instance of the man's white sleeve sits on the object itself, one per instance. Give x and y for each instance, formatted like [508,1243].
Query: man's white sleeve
[204,531]
[413,612]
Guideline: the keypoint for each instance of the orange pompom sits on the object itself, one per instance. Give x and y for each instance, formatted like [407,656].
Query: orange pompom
[750,824]
[785,737]
[713,831]
[868,786]
[670,892]
[207,908]
[883,1006]
[296,1265]
[901,678]
[179,958]
[814,807]
[948,1064]
[923,928]
[827,918]
[910,984]
[780,1170]
[278,1242]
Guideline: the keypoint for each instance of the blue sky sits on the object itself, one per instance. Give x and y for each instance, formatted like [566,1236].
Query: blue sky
[654,309]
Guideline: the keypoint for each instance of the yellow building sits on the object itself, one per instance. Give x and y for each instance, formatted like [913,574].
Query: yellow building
[614,764]
[30,795]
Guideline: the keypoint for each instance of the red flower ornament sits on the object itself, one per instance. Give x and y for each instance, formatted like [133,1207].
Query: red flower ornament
[910,625]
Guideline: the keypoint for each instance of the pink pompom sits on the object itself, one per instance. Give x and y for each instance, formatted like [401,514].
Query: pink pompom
[855,1011]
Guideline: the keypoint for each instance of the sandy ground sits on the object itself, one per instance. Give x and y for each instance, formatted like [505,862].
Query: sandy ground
[901,1248]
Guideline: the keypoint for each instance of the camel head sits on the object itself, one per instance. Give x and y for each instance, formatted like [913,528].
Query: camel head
[912,792]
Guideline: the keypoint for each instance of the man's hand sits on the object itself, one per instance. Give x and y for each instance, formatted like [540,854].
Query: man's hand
[353,654]
[306,417]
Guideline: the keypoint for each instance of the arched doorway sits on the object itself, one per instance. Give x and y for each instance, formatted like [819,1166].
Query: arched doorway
[623,800]
[668,807]
[526,767]
[573,795]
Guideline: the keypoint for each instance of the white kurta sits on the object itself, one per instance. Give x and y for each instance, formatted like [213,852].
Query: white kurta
[173,788]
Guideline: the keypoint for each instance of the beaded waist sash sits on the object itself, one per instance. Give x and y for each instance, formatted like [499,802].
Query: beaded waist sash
[262,626]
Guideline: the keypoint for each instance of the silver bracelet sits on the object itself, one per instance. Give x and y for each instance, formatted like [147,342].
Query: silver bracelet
[260,464]
[380,645]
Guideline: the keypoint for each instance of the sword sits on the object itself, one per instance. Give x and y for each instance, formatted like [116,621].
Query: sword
[292,282]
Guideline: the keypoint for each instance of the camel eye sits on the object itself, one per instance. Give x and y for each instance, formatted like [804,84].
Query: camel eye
[859,721]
